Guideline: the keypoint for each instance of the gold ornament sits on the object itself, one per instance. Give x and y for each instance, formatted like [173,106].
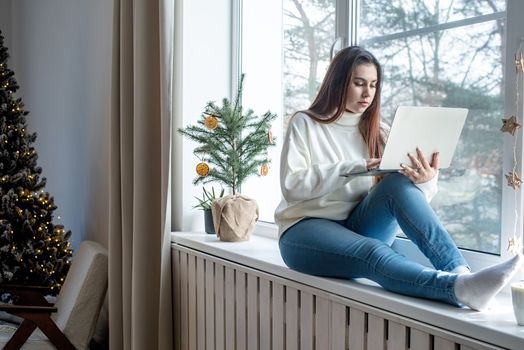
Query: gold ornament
[519,63]
[514,245]
[270,136]
[202,169]
[211,122]
[513,180]
[510,125]
[264,169]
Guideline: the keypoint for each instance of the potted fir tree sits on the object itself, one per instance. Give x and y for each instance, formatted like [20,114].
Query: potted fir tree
[232,146]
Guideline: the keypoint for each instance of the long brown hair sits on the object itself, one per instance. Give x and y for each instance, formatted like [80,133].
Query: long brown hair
[330,102]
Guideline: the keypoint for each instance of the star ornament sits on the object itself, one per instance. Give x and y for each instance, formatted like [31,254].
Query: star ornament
[514,245]
[519,63]
[513,180]
[510,125]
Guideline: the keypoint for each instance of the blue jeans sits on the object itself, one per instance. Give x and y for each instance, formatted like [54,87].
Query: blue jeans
[360,246]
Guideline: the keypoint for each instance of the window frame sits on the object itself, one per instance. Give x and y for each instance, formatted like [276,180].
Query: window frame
[347,21]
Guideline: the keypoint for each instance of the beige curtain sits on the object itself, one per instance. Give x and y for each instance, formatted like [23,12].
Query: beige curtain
[139,256]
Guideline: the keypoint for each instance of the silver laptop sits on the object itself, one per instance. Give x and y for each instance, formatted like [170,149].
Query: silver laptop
[432,129]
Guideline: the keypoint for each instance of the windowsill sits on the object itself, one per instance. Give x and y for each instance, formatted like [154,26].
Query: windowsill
[496,326]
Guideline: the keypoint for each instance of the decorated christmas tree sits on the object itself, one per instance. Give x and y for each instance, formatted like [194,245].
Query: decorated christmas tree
[33,250]
[232,142]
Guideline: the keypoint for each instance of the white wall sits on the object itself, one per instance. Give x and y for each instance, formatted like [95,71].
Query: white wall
[202,74]
[5,18]
[61,55]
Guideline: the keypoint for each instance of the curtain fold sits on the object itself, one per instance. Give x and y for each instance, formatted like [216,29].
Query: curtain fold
[139,250]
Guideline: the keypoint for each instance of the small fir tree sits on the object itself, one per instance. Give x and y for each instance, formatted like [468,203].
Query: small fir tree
[232,143]
[33,250]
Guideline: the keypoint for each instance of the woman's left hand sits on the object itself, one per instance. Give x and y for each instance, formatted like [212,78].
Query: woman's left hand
[420,170]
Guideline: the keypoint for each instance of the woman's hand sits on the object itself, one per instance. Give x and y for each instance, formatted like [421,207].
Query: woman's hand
[372,163]
[420,171]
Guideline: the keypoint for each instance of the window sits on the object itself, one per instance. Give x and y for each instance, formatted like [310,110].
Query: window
[437,53]
[450,53]
[285,52]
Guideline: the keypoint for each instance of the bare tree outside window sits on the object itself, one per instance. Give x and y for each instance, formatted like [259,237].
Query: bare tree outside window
[309,31]
[459,67]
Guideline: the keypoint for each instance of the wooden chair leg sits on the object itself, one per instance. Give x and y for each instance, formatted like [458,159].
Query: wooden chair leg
[20,336]
[47,326]
[51,330]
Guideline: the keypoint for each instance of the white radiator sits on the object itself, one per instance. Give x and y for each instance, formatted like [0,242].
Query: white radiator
[219,304]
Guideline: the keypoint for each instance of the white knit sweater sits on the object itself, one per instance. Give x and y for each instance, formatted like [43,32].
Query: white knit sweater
[314,155]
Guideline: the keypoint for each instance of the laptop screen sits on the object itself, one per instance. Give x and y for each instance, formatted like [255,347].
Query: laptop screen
[432,129]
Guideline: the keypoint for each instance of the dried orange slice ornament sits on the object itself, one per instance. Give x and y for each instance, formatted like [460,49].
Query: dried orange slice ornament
[264,169]
[211,122]
[202,169]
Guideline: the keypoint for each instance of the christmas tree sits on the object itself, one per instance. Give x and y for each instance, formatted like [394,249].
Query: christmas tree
[232,142]
[33,250]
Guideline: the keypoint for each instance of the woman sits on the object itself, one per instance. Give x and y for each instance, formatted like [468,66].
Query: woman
[343,227]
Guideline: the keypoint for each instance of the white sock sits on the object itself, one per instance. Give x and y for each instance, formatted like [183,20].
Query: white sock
[460,269]
[477,289]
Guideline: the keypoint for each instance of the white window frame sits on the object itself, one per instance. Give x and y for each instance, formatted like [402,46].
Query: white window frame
[347,22]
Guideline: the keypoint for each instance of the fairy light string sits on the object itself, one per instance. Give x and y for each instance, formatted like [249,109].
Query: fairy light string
[512,126]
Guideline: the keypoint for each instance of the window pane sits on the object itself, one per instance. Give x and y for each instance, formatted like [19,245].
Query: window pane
[285,53]
[460,67]
[382,17]
[309,31]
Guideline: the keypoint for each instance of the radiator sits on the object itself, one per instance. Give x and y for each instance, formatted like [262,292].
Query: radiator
[219,304]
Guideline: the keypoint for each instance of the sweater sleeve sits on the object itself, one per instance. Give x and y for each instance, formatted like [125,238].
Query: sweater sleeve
[429,188]
[300,179]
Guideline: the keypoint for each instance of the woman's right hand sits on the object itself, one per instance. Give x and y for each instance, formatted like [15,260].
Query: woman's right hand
[372,163]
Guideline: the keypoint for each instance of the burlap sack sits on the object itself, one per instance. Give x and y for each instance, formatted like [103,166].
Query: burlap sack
[234,217]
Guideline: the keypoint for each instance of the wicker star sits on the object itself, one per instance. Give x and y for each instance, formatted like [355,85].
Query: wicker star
[514,245]
[510,125]
[513,180]
[519,63]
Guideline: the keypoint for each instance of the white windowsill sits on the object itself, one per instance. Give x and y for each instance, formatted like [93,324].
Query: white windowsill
[496,326]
